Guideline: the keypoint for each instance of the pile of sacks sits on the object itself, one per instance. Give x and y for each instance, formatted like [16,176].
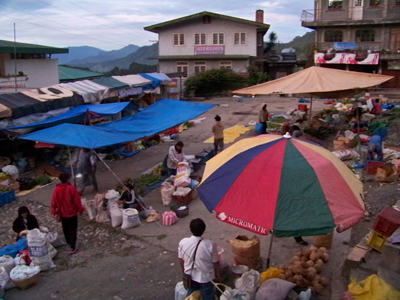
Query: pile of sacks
[36,253]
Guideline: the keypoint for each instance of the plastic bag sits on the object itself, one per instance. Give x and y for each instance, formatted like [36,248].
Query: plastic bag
[101,213]
[24,272]
[153,217]
[90,206]
[274,289]
[130,218]
[116,216]
[52,251]
[4,276]
[169,218]
[167,190]
[19,261]
[180,291]
[249,282]
[270,273]
[235,294]
[38,250]
[12,171]
[182,175]
[7,262]
[55,240]
[196,295]
[372,288]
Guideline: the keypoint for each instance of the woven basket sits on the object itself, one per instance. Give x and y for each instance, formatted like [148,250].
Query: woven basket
[182,213]
[26,283]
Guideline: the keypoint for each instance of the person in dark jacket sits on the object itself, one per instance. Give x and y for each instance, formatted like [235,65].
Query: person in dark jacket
[66,203]
[24,221]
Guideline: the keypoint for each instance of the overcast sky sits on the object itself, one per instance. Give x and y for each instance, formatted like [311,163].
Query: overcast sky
[111,24]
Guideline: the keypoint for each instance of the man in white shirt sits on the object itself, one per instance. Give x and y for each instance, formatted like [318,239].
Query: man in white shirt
[206,264]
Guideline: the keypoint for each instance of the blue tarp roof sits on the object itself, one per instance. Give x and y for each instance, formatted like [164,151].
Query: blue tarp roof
[156,118]
[156,79]
[77,114]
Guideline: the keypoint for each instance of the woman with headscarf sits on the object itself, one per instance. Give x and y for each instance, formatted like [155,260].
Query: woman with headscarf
[263,117]
[24,221]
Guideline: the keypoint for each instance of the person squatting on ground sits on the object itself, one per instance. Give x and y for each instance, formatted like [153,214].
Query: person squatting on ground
[175,156]
[86,164]
[218,130]
[66,204]
[375,148]
[198,258]
[24,221]
[263,116]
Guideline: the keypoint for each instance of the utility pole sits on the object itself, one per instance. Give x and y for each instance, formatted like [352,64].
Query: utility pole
[15,59]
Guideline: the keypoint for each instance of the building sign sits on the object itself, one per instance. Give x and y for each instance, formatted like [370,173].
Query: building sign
[130,92]
[7,84]
[344,46]
[209,50]
[285,57]
[346,58]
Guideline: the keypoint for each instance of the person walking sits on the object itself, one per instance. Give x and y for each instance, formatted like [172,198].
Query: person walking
[65,206]
[198,259]
[86,164]
[263,117]
[218,130]
[174,157]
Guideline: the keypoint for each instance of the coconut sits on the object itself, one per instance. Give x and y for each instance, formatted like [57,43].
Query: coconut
[304,273]
[317,278]
[323,281]
[282,276]
[301,283]
[311,270]
[288,274]
[310,263]
[318,268]
[282,267]
[304,265]
[297,277]
[299,252]
[304,258]
[317,287]
[314,256]
[325,257]
[297,269]
[320,261]
[311,276]
[292,269]
[322,250]
[313,248]
[307,252]
[295,258]
[292,280]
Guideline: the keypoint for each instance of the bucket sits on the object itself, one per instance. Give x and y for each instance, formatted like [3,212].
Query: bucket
[323,240]
[302,107]
[239,270]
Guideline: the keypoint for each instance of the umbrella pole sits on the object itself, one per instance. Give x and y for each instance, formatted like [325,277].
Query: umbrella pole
[70,163]
[270,248]
[310,108]
[115,175]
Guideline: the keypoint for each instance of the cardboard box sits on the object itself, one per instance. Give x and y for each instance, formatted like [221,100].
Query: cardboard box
[344,139]
[358,253]
[339,145]
[386,174]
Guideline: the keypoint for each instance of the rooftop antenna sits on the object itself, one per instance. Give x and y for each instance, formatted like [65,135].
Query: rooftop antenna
[15,59]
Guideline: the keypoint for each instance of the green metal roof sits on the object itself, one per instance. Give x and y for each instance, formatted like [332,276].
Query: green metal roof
[8,47]
[202,57]
[70,74]
[156,27]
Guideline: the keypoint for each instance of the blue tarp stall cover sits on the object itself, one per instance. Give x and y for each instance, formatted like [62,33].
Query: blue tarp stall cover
[156,118]
[77,114]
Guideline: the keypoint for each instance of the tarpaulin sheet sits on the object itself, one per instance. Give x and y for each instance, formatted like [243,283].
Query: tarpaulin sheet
[36,101]
[77,114]
[157,118]
[110,82]
[157,78]
[316,80]
[133,80]
[90,91]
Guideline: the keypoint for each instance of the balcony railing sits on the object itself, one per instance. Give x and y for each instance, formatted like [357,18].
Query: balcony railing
[355,13]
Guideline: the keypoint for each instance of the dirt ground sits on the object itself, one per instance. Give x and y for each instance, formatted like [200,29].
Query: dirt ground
[141,263]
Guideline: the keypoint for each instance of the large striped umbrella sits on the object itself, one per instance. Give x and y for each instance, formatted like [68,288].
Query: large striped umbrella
[281,184]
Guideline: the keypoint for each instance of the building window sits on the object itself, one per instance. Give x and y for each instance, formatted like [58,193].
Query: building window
[374,2]
[218,39]
[199,38]
[333,36]
[225,65]
[239,38]
[365,35]
[199,66]
[335,4]
[182,67]
[179,39]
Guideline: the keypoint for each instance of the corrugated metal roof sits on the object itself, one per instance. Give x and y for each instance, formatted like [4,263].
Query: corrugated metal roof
[70,74]
[8,47]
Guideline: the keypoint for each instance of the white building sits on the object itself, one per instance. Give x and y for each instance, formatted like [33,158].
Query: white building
[206,40]
[33,66]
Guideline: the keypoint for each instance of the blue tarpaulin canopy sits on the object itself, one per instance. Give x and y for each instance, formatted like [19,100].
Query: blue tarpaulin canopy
[77,114]
[156,118]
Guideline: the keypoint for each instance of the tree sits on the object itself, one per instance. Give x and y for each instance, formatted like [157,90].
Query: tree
[214,82]
[255,76]
[273,37]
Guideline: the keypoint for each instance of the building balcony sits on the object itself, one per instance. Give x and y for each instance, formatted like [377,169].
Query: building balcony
[344,16]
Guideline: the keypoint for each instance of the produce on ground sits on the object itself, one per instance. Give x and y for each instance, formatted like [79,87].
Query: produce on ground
[4,176]
[42,179]
[306,267]
[279,119]
[147,179]
[5,190]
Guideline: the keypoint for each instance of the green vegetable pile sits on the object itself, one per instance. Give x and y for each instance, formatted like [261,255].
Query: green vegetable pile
[112,156]
[279,119]
[5,190]
[147,179]
[42,179]
[273,125]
